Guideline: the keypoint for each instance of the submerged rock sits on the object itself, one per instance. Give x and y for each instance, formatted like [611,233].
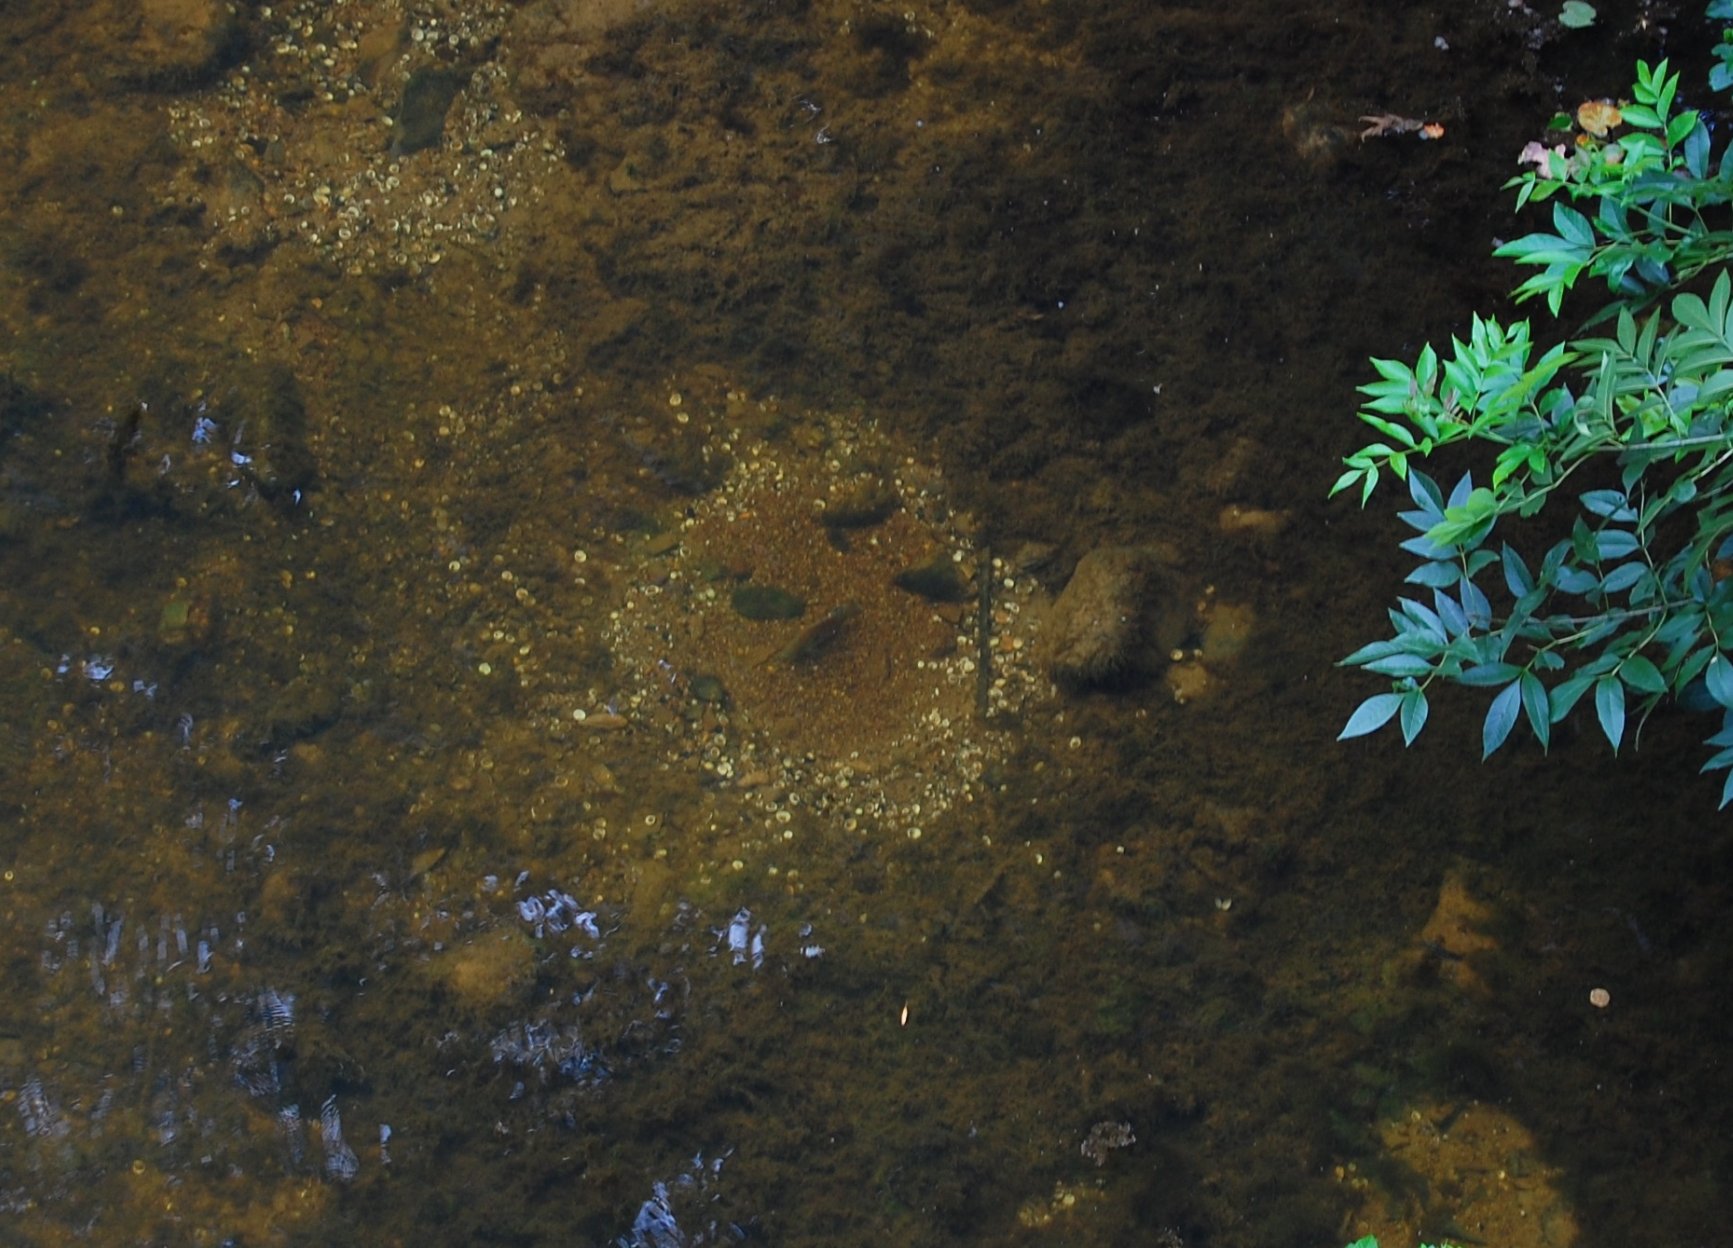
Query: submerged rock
[767,602]
[937,580]
[271,446]
[1109,622]
[819,639]
[867,502]
[178,45]
[709,689]
[427,98]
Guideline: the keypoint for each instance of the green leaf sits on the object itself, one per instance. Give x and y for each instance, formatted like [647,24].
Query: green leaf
[1623,577]
[1721,758]
[1697,147]
[1573,227]
[1641,116]
[1424,491]
[1669,88]
[1373,650]
[1516,574]
[1500,718]
[1418,617]
[1390,429]
[1399,665]
[1510,459]
[1645,85]
[1680,127]
[1371,715]
[1538,248]
[1642,675]
[1576,15]
[1436,574]
[1480,561]
[1714,387]
[1391,370]
[1534,705]
[1719,678]
[1614,544]
[1566,693]
[1609,503]
[1691,668]
[1475,605]
[1488,674]
[1451,612]
[1414,712]
[1610,708]
[1346,481]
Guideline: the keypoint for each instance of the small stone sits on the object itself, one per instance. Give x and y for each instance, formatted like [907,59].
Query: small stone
[937,580]
[427,97]
[709,689]
[1189,680]
[767,602]
[865,503]
[1227,627]
[1239,521]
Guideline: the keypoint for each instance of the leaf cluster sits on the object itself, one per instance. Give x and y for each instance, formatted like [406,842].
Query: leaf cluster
[1635,604]
[1655,189]
[1721,74]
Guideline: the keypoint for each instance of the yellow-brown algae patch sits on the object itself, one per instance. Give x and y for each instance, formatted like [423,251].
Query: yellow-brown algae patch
[486,969]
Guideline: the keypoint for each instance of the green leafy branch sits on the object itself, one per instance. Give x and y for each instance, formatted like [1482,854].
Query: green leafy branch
[1636,603]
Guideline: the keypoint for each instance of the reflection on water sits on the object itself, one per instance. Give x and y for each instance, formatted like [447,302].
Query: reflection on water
[532,542]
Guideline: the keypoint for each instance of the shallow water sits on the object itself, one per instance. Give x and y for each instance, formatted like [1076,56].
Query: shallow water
[406,837]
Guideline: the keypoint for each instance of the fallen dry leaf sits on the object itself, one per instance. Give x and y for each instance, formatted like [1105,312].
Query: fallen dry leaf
[1598,116]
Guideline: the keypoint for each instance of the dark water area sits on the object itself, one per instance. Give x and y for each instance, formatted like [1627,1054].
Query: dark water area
[412,829]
